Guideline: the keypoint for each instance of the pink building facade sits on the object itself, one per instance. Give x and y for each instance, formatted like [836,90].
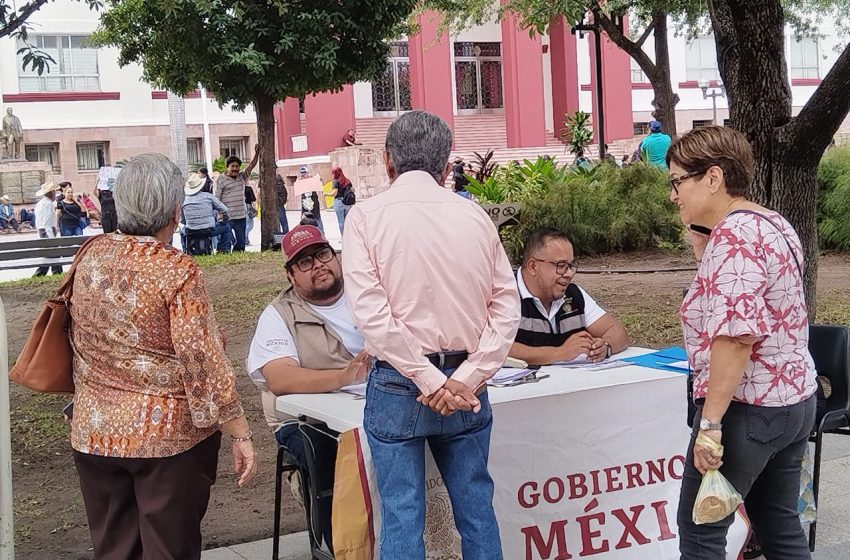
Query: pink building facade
[518,79]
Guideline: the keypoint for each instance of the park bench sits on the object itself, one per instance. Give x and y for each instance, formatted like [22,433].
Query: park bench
[33,253]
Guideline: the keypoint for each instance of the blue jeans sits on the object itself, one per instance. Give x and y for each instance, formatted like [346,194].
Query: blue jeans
[397,428]
[284,221]
[223,238]
[249,225]
[67,231]
[341,213]
[238,227]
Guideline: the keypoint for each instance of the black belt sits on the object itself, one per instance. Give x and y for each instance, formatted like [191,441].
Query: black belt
[440,360]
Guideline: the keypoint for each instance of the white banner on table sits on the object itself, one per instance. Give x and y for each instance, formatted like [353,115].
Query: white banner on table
[594,473]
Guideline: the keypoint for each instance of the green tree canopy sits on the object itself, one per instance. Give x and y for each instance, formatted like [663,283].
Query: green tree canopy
[750,42]
[13,23]
[255,52]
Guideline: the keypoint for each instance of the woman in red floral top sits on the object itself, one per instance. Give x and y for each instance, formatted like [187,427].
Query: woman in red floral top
[153,384]
[746,333]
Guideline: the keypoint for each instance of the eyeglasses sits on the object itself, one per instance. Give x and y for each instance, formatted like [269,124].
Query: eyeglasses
[307,262]
[676,181]
[561,266]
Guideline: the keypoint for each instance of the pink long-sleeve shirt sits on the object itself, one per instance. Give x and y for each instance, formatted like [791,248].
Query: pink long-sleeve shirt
[425,272]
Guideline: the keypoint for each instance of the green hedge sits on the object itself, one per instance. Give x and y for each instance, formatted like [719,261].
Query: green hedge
[604,209]
[834,200]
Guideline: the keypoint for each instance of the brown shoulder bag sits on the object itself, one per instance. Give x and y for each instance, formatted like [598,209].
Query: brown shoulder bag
[46,363]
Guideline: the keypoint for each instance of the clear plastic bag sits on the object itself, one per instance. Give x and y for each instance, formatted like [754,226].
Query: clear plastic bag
[717,498]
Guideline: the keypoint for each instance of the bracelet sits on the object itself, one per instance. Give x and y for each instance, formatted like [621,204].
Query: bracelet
[249,437]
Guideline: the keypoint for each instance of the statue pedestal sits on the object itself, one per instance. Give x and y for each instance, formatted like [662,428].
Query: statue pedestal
[365,167]
[21,179]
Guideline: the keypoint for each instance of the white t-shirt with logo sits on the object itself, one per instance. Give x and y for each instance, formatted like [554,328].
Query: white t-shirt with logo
[273,340]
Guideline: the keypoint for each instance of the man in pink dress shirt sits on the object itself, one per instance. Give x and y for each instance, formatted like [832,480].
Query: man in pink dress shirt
[432,291]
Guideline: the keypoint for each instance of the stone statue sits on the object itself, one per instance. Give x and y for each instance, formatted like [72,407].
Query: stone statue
[13,132]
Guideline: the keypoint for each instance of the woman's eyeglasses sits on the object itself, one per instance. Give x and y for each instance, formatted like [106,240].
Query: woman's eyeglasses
[307,262]
[676,181]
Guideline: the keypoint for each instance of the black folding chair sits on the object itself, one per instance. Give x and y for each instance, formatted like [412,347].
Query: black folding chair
[320,446]
[285,463]
[830,349]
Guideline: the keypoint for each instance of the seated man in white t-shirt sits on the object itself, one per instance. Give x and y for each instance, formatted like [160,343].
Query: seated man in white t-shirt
[560,321]
[306,340]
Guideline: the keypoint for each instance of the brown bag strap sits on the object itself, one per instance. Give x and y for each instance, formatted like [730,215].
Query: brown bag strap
[67,286]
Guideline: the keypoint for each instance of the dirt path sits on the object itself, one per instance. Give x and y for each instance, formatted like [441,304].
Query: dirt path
[50,517]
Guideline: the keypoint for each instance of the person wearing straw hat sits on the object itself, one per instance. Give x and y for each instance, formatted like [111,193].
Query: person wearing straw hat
[198,216]
[7,215]
[45,220]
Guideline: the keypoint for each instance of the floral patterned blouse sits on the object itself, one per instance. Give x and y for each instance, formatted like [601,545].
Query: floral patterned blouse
[748,284]
[151,375]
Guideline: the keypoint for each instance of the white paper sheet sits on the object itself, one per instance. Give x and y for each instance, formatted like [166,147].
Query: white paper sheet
[681,365]
[358,389]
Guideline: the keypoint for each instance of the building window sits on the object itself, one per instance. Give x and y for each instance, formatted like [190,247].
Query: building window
[195,151]
[640,128]
[232,147]
[701,60]
[702,123]
[804,57]
[638,77]
[74,67]
[91,156]
[48,153]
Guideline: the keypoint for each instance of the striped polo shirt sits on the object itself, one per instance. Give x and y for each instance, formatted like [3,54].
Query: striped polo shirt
[232,193]
[566,316]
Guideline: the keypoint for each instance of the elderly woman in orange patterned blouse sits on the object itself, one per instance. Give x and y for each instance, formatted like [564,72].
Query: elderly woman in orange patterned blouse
[154,388]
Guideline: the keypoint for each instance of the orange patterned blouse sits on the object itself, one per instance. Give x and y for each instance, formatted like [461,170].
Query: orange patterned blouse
[151,375]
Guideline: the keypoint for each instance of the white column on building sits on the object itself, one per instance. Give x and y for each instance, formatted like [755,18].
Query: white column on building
[177,126]
[207,145]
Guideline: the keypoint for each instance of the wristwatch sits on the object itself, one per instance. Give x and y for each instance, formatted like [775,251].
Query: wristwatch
[608,350]
[705,425]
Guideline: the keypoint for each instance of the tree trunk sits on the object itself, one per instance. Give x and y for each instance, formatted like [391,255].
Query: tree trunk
[264,106]
[749,37]
[665,98]
[658,72]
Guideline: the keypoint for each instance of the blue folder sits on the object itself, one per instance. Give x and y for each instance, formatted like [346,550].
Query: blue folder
[661,359]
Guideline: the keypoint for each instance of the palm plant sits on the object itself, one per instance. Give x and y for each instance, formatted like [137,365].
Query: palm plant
[577,133]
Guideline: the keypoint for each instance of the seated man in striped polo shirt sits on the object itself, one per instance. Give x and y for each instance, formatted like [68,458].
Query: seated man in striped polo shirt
[560,321]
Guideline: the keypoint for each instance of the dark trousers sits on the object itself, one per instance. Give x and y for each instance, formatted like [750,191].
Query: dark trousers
[762,458]
[42,270]
[9,223]
[283,219]
[141,509]
[28,216]
[239,233]
[109,220]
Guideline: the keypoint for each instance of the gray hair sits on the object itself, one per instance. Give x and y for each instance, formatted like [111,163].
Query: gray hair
[419,141]
[147,192]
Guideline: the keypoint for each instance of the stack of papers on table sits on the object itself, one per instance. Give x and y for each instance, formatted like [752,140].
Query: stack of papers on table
[506,375]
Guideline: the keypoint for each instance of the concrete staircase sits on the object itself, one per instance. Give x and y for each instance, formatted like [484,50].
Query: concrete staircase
[480,133]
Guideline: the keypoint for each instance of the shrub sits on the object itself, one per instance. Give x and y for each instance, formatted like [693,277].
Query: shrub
[834,200]
[610,209]
[516,182]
